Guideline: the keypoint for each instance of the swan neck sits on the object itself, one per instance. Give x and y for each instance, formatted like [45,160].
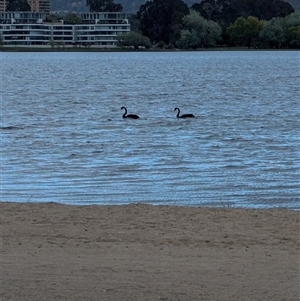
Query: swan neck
[124,115]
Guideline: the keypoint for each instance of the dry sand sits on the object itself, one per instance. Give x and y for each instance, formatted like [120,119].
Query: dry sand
[142,252]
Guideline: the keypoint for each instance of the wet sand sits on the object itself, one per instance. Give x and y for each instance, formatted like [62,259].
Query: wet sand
[142,252]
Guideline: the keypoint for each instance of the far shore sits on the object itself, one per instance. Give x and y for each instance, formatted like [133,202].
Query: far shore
[100,49]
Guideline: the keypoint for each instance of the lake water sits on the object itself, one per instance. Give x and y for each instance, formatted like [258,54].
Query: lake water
[63,138]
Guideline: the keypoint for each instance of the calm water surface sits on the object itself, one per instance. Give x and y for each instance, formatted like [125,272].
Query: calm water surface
[63,138]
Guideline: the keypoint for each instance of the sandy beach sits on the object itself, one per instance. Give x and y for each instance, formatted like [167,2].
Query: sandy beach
[142,252]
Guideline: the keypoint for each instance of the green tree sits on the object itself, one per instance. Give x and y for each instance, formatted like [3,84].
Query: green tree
[52,44]
[236,31]
[212,34]
[72,18]
[161,20]
[292,23]
[52,18]
[199,32]
[17,5]
[103,6]
[252,29]
[245,32]
[133,39]
[207,8]
[189,39]
[274,33]
[293,19]
[293,36]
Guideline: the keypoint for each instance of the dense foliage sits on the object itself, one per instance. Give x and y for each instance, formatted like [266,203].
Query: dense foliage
[17,5]
[282,32]
[72,18]
[103,6]
[133,39]
[245,31]
[199,32]
[192,30]
[161,20]
[209,23]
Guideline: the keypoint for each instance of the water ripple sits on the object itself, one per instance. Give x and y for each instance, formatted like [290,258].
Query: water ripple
[63,138]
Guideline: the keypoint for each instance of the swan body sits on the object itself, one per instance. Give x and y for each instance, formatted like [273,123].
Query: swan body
[132,116]
[184,115]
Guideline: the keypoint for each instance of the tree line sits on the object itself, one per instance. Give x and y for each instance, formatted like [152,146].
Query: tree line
[129,6]
[198,32]
[210,23]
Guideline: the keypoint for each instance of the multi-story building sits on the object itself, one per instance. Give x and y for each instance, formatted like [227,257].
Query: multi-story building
[42,6]
[30,28]
[2,5]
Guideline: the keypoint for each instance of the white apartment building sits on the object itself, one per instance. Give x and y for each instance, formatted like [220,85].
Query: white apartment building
[30,28]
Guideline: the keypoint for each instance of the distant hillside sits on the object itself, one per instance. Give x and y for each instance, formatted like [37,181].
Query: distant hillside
[294,3]
[129,6]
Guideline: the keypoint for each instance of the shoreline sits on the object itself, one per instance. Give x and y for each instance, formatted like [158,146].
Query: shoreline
[145,252]
[220,205]
[98,49]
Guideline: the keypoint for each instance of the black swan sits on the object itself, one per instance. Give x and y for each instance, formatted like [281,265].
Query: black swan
[133,116]
[184,115]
